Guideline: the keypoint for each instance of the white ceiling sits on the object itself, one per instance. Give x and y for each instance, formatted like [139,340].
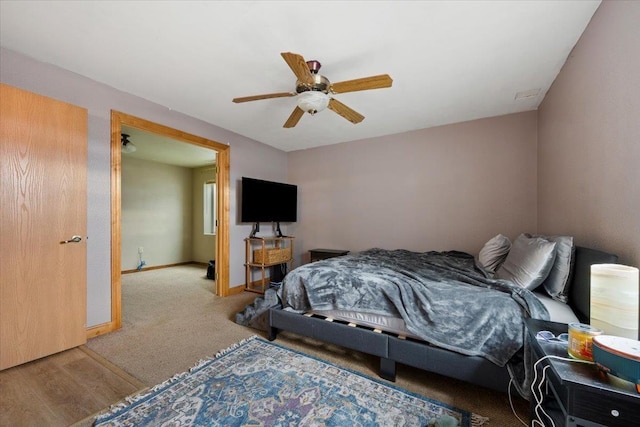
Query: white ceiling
[160,149]
[450,61]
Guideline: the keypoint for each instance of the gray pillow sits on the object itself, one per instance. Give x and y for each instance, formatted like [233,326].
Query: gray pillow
[529,261]
[494,252]
[557,283]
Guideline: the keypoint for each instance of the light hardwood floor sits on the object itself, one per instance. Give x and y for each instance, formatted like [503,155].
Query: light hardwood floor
[62,389]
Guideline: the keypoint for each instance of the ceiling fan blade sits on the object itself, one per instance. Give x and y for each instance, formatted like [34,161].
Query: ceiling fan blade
[365,83]
[294,118]
[267,96]
[299,66]
[346,112]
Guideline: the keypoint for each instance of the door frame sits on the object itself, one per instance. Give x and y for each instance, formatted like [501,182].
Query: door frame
[222,179]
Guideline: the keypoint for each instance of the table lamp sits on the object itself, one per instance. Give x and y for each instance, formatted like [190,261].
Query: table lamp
[615,299]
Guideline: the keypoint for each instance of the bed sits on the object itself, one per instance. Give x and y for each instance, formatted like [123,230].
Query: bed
[444,312]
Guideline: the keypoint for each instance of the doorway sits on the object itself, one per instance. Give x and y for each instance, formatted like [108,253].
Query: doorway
[119,119]
[167,202]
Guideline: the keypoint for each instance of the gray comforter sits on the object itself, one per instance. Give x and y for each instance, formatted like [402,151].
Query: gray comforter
[441,296]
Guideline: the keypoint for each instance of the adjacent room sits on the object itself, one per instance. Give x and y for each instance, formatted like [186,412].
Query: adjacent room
[488,145]
[177,179]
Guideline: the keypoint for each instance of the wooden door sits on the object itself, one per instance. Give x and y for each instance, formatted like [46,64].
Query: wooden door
[43,199]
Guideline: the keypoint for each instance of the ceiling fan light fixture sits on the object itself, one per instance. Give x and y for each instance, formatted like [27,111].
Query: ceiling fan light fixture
[313,89]
[313,101]
[127,146]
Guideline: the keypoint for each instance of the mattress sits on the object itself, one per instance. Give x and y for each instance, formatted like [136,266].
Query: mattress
[558,312]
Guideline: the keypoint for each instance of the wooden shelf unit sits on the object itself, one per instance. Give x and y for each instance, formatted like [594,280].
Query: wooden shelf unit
[263,253]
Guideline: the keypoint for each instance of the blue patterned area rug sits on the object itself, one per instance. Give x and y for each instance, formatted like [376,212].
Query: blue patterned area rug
[258,383]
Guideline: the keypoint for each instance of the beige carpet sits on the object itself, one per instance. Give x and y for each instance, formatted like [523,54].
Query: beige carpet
[172,319]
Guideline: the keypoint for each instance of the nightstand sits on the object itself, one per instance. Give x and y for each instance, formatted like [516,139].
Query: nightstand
[319,254]
[579,394]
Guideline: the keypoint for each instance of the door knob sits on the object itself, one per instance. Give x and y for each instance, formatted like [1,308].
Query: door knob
[74,239]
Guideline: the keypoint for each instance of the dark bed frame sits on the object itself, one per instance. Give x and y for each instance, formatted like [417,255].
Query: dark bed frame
[393,349]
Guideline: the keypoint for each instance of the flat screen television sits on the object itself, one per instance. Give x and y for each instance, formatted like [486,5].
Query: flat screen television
[268,201]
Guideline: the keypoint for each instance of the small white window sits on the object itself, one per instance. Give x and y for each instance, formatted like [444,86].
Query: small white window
[209,202]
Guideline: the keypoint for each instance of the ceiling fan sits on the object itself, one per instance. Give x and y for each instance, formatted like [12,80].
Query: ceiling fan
[314,90]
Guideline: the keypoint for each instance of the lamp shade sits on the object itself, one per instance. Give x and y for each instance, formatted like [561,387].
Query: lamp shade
[313,101]
[128,147]
[614,299]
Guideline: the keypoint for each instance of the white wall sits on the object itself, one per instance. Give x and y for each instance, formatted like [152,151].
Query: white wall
[157,213]
[248,157]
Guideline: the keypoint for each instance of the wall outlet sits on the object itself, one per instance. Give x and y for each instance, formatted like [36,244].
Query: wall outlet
[140,249]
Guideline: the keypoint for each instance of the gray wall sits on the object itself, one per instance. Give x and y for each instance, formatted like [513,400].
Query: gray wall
[589,137]
[443,188]
[248,157]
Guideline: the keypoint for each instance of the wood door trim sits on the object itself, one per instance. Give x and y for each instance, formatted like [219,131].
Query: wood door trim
[222,178]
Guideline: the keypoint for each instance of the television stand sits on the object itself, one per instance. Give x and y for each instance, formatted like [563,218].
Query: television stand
[278,231]
[254,230]
[263,253]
